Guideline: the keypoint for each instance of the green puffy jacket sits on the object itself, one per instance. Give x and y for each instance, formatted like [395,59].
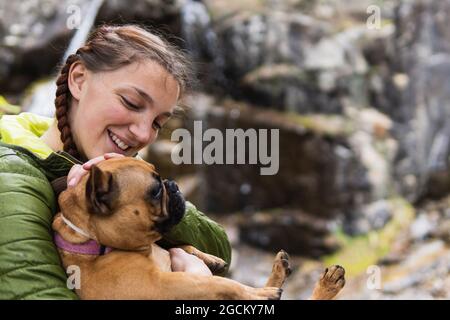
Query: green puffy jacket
[30,267]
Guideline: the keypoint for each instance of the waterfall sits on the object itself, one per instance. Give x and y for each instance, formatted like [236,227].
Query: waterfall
[42,99]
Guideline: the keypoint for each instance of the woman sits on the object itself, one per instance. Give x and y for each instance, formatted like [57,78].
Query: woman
[113,96]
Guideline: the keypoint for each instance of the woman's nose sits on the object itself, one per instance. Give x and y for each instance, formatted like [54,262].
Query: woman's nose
[142,131]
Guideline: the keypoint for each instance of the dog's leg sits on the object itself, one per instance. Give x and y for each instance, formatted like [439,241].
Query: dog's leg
[330,283]
[215,264]
[135,276]
[280,270]
[179,285]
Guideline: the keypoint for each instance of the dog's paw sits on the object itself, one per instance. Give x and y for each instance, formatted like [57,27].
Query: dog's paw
[281,264]
[280,271]
[215,264]
[330,283]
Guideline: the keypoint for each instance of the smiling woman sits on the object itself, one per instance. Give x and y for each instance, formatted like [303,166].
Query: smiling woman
[119,111]
[120,88]
[113,96]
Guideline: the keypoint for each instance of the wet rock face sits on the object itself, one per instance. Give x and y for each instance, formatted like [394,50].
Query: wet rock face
[423,113]
[33,37]
[293,231]
[285,61]
[148,12]
[34,34]
[329,169]
[154,10]
[318,174]
[369,217]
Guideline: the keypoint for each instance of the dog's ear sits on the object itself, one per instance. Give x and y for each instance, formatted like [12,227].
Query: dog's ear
[101,191]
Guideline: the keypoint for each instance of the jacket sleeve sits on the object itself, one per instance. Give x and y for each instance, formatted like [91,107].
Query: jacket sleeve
[198,230]
[30,267]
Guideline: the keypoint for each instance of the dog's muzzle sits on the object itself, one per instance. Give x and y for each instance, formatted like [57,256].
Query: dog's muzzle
[175,207]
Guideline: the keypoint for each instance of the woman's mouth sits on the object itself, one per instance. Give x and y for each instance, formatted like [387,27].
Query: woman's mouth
[119,143]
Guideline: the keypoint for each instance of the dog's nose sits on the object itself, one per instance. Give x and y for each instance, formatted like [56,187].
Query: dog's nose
[175,207]
[171,186]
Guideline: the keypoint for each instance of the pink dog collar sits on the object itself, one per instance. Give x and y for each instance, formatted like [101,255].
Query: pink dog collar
[90,247]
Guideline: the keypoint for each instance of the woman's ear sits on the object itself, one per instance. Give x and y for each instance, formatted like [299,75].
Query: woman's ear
[76,79]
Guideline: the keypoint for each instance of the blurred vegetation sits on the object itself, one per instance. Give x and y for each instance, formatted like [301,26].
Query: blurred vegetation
[7,108]
[360,252]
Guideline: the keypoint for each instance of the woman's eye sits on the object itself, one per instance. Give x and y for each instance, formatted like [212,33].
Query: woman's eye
[156,125]
[128,104]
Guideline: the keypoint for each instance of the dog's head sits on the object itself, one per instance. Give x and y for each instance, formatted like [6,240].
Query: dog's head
[129,206]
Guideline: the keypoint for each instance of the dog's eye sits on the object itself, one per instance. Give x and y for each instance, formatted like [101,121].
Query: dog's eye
[157,191]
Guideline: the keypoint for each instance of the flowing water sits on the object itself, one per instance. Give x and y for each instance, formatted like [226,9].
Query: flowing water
[41,101]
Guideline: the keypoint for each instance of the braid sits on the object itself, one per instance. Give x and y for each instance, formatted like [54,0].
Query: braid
[62,107]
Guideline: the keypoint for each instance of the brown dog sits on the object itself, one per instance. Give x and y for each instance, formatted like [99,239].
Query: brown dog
[124,205]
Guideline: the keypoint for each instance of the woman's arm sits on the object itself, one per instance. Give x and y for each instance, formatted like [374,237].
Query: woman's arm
[197,230]
[30,267]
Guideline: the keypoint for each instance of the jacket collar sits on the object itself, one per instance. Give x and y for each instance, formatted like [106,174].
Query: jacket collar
[25,130]
[56,165]
[22,133]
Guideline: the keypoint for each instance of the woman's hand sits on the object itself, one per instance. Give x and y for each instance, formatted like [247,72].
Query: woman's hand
[78,171]
[185,262]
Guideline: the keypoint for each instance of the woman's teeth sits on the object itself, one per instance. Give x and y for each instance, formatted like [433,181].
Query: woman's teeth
[118,142]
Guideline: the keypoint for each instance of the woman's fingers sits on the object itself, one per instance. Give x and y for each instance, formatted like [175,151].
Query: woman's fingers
[106,156]
[185,262]
[77,172]
[113,155]
[75,175]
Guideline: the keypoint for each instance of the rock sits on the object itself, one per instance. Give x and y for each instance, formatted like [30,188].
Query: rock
[292,231]
[324,168]
[289,88]
[35,35]
[378,214]
[159,153]
[373,216]
[423,273]
[421,227]
[145,10]
[285,62]
[422,109]
[443,231]
[318,55]
[437,213]
[156,13]
[276,55]
[189,185]
[428,262]
[318,170]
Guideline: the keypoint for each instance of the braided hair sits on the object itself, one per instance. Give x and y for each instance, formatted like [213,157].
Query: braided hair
[62,101]
[109,48]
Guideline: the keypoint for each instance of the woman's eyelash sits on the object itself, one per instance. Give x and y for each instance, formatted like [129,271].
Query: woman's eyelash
[128,103]
[157,125]
[133,106]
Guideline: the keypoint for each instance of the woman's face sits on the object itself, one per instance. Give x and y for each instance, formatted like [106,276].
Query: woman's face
[119,111]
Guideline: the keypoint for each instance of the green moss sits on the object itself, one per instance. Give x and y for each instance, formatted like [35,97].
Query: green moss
[360,252]
[328,125]
[279,75]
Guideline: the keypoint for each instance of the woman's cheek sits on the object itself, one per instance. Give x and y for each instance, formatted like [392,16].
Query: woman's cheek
[119,114]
